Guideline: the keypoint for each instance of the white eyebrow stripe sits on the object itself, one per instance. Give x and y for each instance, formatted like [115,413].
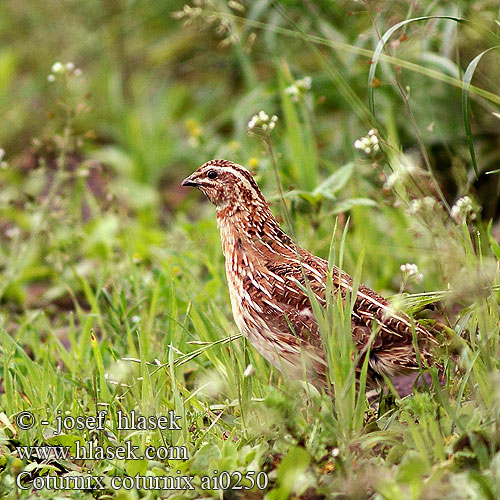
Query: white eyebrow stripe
[239,175]
[236,173]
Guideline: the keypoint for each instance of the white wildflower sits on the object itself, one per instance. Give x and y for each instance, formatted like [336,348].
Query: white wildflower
[299,88]
[462,209]
[411,271]
[263,122]
[306,82]
[403,168]
[294,92]
[427,203]
[263,116]
[2,154]
[392,179]
[369,144]
[12,232]
[253,122]
[57,67]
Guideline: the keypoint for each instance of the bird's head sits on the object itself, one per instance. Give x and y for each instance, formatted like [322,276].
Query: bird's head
[225,183]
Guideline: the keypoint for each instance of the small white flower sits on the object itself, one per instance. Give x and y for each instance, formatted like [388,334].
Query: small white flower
[77,72]
[249,371]
[12,232]
[51,78]
[252,122]
[462,209]
[299,88]
[70,66]
[391,180]
[263,122]
[136,319]
[411,271]
[2,154]
[57,67]
[427,203]
[294,92]
[307,81]
[369,144]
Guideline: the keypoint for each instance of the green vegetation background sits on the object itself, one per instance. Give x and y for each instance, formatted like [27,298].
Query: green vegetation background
[112,286]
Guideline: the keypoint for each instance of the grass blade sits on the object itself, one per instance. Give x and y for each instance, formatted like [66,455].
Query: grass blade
[469,73]
[381,45]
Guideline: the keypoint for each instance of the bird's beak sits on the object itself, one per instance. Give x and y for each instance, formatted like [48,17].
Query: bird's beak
[189,182]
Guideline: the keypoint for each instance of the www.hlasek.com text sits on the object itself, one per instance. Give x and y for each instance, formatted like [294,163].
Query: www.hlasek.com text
[93,451]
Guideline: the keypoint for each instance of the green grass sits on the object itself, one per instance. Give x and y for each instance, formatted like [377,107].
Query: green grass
[112,288]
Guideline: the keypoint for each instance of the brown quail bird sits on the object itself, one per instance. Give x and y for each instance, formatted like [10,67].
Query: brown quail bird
[267,275]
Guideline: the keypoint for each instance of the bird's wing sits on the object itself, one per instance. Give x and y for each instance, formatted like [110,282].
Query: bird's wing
[393,342]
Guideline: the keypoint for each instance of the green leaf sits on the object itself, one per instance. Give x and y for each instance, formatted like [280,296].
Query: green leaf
[105,393]
[335,182]
[289,470]
[345,205]
[469,73]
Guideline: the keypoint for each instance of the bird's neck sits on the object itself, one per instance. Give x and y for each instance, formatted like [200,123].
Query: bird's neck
[253,230]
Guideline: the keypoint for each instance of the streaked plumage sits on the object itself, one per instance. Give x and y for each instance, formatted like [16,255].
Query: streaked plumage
[264,268]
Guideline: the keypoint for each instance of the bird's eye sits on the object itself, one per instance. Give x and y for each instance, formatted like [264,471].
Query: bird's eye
[212,174]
